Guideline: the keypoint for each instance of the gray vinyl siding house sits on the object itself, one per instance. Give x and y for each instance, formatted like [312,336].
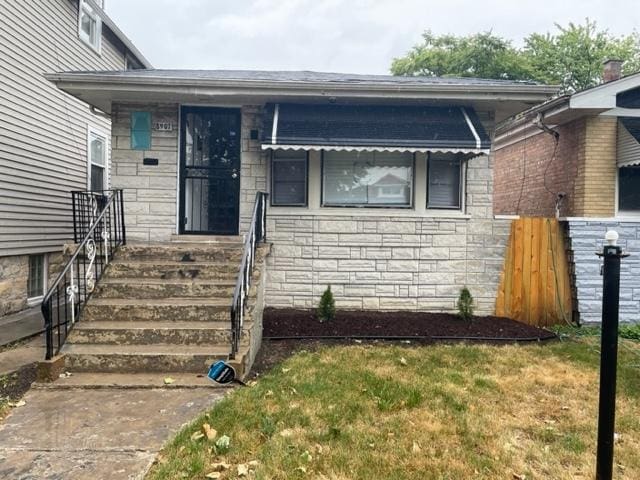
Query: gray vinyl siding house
[44,133]
[318,143]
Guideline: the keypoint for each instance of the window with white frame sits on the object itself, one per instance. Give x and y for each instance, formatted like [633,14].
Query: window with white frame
[89,26]
[97,156]
[289,178]
[37,277]
[629,188]
[375,179]
[444,182]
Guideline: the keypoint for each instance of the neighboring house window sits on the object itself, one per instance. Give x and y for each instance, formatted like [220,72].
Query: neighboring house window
[97,155]
[37,277]
[629,188]
[444,186]
[367,179]
[89,26]
[289,178]
[141,130]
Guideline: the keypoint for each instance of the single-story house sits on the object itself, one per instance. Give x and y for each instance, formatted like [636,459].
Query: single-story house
[380,186]
[577,157]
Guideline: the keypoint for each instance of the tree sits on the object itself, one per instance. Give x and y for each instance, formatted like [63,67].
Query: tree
[482,55]
[571,58]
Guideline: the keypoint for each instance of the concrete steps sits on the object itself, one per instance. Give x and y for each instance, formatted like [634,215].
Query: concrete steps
[92,380]
[155,333]
[159,288]
[162,310]
[142,358]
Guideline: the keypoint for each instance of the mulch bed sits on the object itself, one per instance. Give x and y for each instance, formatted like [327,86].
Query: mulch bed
[291,323]
[14,385]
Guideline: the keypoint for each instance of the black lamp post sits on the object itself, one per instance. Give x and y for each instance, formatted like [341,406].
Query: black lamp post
[611,255]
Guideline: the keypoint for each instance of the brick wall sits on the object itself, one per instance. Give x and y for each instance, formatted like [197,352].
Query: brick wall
[597,178]
[528,176]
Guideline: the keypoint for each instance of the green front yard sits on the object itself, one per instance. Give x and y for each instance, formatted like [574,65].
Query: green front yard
[418,412]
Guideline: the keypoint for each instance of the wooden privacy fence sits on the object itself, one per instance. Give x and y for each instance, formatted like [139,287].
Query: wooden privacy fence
[535,286]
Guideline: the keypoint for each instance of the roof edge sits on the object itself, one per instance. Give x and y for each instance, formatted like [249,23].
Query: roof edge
[99,79]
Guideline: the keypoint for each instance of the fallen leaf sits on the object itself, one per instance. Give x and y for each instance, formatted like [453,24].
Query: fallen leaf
[286,433]
[243,470]
[517,476]
[19,403]
[403,361]
[285,370]
[301,469]
[168,380]
[415,448]
[209,432]
[306,456]
[253,463]
[213,475]
[269,393]
[220,467]
[195,436]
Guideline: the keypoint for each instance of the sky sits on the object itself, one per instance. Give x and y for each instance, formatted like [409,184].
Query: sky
[349,36]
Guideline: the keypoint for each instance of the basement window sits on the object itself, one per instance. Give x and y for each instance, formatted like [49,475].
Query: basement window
[37,278]
[629,189]
[89,26]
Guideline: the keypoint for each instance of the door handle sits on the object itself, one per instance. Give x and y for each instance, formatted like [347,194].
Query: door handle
[234,175]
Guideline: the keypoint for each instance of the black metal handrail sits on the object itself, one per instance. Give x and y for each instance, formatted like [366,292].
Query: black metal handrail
[256,234]
[99,229]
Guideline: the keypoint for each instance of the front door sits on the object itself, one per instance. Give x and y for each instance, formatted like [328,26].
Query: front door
[210,170]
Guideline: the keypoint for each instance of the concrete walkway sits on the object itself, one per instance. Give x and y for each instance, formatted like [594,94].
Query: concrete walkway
[16,357]
[20,325]
[95,433]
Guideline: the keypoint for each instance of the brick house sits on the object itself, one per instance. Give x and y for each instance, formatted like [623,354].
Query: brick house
[577,157]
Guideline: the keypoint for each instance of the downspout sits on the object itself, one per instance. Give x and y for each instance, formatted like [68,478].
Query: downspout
[99,113]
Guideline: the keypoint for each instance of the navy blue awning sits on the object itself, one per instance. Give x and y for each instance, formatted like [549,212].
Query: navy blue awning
[374,128]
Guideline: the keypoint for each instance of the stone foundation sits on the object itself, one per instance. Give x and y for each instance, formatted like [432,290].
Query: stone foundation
[587,238]
[14,273]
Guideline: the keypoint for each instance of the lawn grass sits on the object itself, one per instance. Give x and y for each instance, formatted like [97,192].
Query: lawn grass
[419,412]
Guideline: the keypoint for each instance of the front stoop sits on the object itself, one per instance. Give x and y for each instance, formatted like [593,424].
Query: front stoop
[163,310]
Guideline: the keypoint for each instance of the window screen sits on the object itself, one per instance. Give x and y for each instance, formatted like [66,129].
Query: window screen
[367,178]
[289,178]
[629,188]
[141,130]
[35,286]
[443,189]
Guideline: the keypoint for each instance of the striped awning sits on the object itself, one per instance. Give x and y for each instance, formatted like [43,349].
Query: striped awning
[365,128]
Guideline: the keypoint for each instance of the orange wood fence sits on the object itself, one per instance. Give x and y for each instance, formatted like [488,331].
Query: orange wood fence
[535,286]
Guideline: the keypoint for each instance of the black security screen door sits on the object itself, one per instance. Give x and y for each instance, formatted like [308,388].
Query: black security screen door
[210,170]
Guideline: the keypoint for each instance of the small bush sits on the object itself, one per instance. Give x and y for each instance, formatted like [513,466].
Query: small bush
[327,306]
[630,332]
[465,304]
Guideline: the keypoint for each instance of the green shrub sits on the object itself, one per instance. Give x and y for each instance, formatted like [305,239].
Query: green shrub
[327,306]
[630,332]
[465,304]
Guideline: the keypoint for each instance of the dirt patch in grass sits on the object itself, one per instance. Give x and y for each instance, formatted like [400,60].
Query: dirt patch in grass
[367,324]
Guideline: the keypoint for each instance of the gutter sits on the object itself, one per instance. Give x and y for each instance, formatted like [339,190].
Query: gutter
[106,20]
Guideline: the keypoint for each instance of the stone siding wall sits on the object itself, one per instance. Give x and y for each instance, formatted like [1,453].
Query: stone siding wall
[150,191]
[390,262]
[14,277]
[587,237]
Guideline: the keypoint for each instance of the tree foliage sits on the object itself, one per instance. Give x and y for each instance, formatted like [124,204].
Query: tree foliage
[572,57]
